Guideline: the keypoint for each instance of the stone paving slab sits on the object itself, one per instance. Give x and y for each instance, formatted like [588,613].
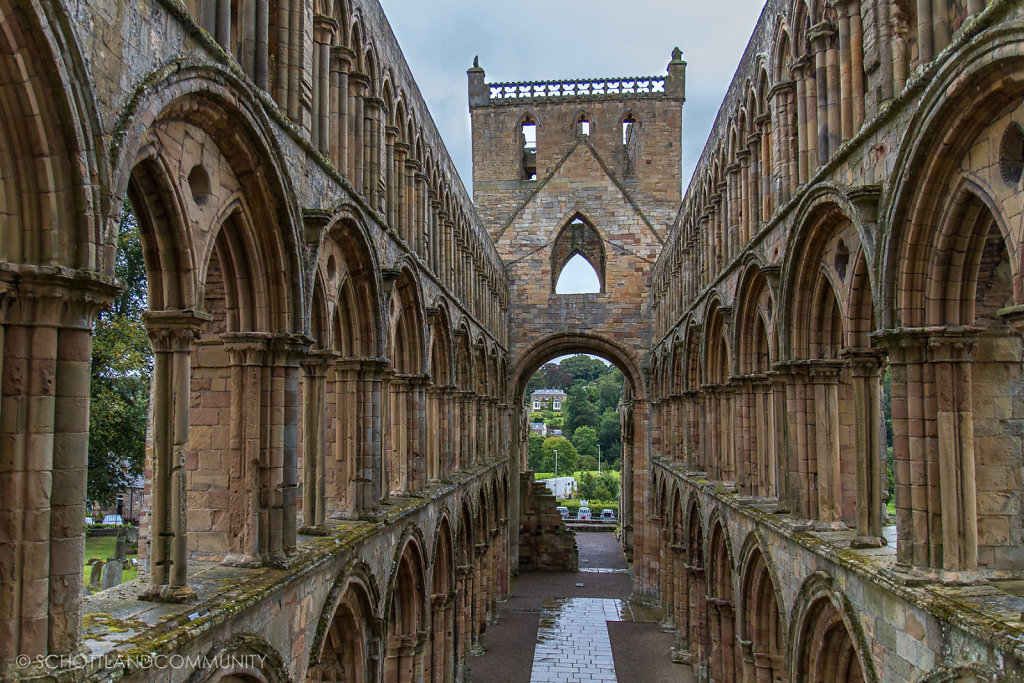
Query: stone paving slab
[633,645]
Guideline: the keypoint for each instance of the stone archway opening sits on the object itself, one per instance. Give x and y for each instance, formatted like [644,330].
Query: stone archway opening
[632,412]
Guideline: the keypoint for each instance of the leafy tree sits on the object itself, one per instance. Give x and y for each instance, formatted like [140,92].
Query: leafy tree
[609,390]
[556,377]
[609,430]
[535,454]
[585,486]
[579,411]
[587,463]
[610,483]
[122,364]
[585,440]
[601,492]
[567,455]
[584,368]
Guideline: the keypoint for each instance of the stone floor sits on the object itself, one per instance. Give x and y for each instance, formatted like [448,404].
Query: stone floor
[561,627]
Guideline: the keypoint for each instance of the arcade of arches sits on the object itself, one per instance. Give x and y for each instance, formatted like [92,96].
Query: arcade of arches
[342,334]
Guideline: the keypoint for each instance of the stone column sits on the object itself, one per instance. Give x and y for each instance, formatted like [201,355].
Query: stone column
[756,191]
[314,438]
[358,84]
[369,481]
[667,581]
[248,499]
[802,164]
[824,375]
[45,353]
[340,61]
[925,41]
[324,28]
[820,36]
[373,137]
[347,434]
[865,370]
[171,334]
[286,352]
[745,194]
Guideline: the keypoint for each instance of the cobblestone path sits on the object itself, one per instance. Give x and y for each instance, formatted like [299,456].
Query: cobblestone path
[557,627]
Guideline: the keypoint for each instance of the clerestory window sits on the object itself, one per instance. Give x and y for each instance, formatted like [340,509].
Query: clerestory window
[629,144]
[528,147]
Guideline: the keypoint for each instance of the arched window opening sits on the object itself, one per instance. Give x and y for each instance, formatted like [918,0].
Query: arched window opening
[578,259]
[528,142]
[583,124]
[578,277]
[629,136]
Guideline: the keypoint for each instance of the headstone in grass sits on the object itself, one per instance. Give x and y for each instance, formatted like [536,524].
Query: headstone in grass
[112,569]
[96,573]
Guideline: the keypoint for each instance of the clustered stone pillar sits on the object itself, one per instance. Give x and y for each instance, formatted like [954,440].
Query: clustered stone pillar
[865,369]
[314,435]
[45,350]
[171,334]
[246,352]
[933,432]
[369,476]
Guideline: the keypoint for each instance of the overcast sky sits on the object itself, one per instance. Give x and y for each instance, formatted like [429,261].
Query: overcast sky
[541,40]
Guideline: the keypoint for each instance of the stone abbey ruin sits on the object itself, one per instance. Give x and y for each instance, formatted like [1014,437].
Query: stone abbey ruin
[336,463]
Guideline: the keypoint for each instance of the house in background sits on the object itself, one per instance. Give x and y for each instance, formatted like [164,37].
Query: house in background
[547,399]
[539,428]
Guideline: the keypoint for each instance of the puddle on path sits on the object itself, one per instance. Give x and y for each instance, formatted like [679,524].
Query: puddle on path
[572,640]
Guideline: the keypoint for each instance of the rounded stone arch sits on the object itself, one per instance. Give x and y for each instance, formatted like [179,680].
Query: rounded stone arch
[484,516]
[168,196]
[824,223]
[675,371]
[464,373]
[717,352]
[406,606]
[560,344]
[720,556]
[406,328]
[483,378]
[50,153]
[465,534]
[761,609]
[826,641]
[782,52]
[695,535]
[677,517]
[721,592]
[440,359]
[347,631]
[442,555]
[578,236]
[252,658]
[989,77]
[755,335]
[357,314]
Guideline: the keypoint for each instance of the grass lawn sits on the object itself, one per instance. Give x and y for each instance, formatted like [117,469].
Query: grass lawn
[102,547]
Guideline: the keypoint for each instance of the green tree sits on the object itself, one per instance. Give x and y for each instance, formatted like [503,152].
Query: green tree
[610,483]
[567,455]
[122,364]
[585,440]
[609,430]
[534,450]
[584,367]
[609,390]
[585,486]
[579,412]
[587,462]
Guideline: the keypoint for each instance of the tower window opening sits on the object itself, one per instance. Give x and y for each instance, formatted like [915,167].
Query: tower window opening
[583,125]
[528,142]
[629,144]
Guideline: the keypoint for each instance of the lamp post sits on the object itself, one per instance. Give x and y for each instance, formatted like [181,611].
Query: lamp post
[556,465]
[598,459]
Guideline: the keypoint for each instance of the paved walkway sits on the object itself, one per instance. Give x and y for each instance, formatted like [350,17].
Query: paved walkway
[562,627]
